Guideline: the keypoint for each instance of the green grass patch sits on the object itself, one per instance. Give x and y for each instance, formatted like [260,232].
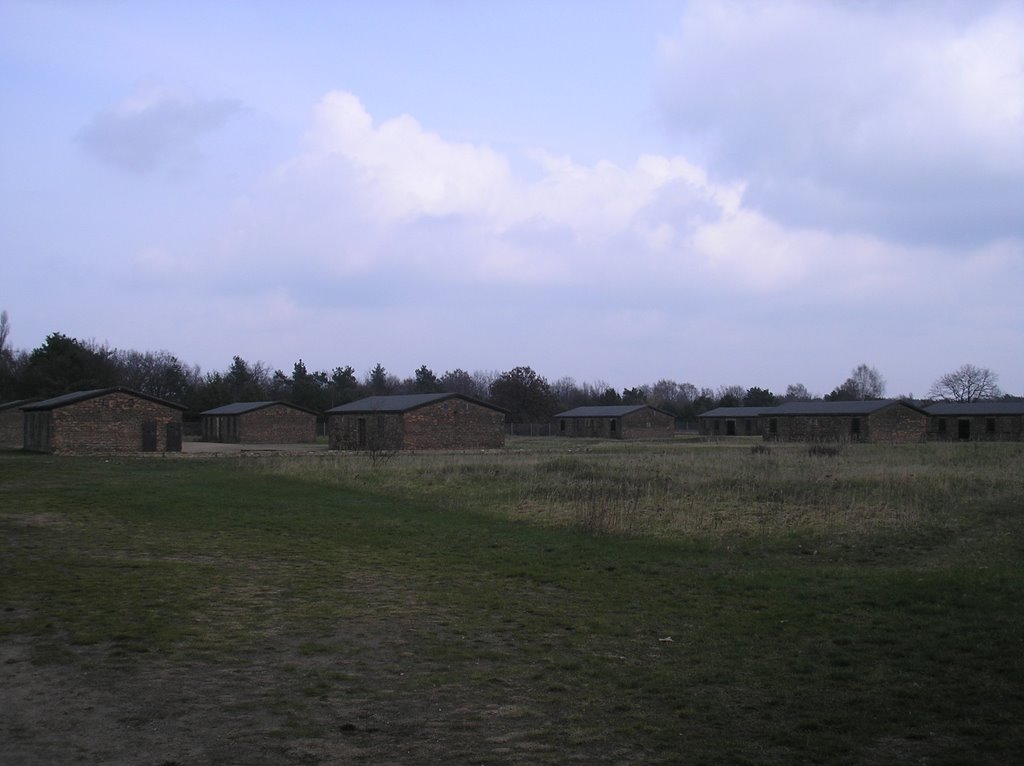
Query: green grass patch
[618,603]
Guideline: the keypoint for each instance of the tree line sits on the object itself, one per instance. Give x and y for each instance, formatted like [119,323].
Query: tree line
[62,364]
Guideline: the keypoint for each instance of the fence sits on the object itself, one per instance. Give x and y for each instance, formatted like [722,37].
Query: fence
[530,429]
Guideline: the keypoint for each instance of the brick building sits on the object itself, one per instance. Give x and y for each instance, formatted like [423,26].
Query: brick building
[628,421]
[415,422]
[103,420]
[884,420]
[976,421]
[259,423]
[732,421]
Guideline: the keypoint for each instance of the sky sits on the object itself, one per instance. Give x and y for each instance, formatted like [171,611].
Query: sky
[720,193]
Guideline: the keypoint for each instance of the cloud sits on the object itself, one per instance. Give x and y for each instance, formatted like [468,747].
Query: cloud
[155,129]
[410,171]
[392,200]
[581,269]
[905,120]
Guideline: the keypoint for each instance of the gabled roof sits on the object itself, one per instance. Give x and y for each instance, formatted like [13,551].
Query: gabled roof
[241,408]
[736,412]
[838,408]
[402,403]
[607,411]
[976,408]
[81,396]
[18,404]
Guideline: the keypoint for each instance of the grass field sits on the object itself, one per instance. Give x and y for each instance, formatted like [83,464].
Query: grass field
[554,602]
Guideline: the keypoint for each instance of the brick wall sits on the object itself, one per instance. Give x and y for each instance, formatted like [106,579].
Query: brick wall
[448,424]
[648,424]
[365,431]
[808,428]
[590,428]
[277,424]
[111,423]
[642,424]
[12,427]
[980,428]
[895,424]
[454,424]
[742,426]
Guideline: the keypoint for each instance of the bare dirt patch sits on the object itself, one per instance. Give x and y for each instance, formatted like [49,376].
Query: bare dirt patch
[357,696]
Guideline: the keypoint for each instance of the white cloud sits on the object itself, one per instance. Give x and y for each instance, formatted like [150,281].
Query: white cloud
[411,171]
[902,119]
[370,197]
[394,201]
[351,240]
[155,128]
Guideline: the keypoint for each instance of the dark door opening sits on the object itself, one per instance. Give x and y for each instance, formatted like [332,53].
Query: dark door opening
[730,428]
[361,433]
[174,437]
[149,436]
[963,429]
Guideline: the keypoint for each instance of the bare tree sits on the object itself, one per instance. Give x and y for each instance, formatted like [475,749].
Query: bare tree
[158,373]
[458,381]
[569,393]
[5,331]
[8,374]
[671,395]
[864,383]
[797,392]
[730,396]
[967,384]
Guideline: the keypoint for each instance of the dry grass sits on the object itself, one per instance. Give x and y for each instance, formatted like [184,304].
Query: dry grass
[719,606]
[673,489]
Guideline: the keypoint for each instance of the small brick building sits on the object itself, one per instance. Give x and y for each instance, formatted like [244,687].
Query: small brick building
[12,423]
[416,422]
[103,420]
[883,420]
[732,421]
[628,421]
[260,423]
[976,421]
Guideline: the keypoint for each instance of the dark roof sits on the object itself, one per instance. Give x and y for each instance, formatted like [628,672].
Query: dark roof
[735,412]
[240,408]
[838,408]
[81,396]
[17,404]
[976,408]
[607,411]
[402,403]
